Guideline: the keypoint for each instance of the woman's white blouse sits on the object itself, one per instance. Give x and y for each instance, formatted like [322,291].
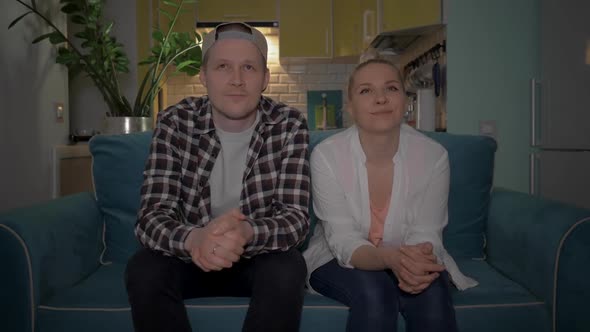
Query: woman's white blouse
[417,211]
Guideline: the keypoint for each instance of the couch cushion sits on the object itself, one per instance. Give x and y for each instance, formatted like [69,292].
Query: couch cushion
[99,303]
[471,160]
[118,162]
[497,303]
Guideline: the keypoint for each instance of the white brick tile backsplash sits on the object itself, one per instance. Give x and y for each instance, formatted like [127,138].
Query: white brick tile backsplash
[192,79]
[276,69]
[273,96]
[335,68]
[316,68]
[176,80]
[341,78]
[288,78]
[297,88]
[199,90]
[297,69]
[173,99]
[278,88]
[186,90]
[319,78]
[289,98]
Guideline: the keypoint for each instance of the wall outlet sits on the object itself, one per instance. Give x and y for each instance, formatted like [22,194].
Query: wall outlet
[488,128]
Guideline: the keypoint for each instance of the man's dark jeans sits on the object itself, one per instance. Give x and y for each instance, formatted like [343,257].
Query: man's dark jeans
[158,284]
[375,300]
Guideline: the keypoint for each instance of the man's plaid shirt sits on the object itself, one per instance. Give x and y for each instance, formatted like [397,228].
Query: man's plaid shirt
[176,196]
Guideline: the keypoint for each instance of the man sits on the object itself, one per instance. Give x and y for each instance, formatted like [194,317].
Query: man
[225,196]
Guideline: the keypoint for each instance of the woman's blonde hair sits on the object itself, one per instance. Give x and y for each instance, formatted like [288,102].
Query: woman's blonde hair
[374,59]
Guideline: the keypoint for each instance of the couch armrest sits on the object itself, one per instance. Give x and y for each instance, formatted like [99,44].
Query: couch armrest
[44,248]
[545,246]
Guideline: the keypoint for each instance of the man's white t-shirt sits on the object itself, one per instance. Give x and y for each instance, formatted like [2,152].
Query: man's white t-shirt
[226,177]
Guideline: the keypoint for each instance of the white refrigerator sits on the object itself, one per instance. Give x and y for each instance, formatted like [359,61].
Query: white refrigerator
[560,105]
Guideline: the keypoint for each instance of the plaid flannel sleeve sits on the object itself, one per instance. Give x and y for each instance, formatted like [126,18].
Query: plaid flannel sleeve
[289,224]
[159,225]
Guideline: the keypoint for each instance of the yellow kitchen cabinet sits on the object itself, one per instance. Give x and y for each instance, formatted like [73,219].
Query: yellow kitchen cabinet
[305,28]
[369,21]
[406,14]
[355,26]
[236,10]
[347,28]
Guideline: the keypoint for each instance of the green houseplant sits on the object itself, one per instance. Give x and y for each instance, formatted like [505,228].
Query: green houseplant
[93,50]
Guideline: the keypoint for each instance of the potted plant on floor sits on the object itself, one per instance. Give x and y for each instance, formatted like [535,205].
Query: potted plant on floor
[93,50]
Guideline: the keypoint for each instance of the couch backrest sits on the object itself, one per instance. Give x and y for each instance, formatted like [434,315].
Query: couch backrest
[471,159]
[119,160]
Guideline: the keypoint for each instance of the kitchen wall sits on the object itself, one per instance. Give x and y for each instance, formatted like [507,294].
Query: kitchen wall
[492,49]
[31,83]
[288,83]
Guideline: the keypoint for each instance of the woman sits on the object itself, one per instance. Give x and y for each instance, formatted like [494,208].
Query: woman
[380,190]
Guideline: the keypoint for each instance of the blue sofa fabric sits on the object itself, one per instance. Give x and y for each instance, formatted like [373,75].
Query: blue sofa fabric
[472,168]
[103,294]
[57,283]
[532,240]
[118,162]
[48,248]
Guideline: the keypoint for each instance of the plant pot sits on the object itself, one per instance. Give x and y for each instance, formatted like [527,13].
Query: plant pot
[116,125]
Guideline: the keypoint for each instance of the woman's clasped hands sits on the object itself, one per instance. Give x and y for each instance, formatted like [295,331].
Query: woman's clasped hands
[415,266]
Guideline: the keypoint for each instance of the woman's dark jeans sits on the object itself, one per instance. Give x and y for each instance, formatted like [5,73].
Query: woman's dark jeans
[375,300]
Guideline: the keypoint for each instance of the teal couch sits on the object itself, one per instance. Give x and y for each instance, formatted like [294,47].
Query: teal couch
[64,259]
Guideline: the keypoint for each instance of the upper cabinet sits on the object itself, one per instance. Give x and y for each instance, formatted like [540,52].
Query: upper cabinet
[406,14]
[305,29]
[232,10]
[347,28]
[186,19]
[324,29]
[355,26]
[369,16]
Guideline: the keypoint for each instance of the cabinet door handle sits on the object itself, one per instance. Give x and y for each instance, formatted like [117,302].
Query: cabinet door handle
[327,42]
[367,37]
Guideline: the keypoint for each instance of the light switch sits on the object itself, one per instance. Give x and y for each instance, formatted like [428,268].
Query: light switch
[488,128]
[59,112]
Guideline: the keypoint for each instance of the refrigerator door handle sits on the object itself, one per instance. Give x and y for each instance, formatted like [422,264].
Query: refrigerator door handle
[533,169]
[534,141]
